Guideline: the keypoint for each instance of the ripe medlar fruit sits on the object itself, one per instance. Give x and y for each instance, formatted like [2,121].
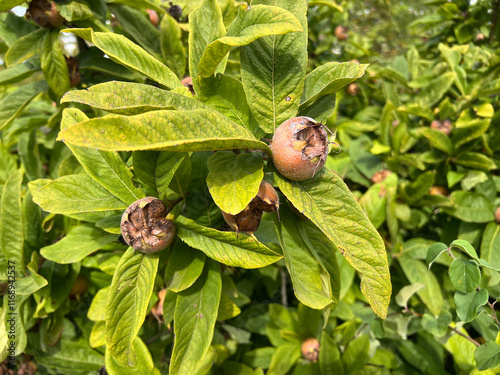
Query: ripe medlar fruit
[188,82]
[153,17]
[44,13]
[144,226]
[248,220]
[352,89]
[341,33]
[497,215]
[444,127]
[310,349]
[300,148]
[380,176]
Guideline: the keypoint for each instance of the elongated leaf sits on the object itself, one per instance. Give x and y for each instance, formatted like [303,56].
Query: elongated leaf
[205,26]
[194,320]
[130,98]
[80,242]
[184,267]
[417,272]
[73,194]
[251,23]
[54,65]
[145,364]
[330,78]
[9,4]
[284,358]
[17,73]
[25,47]
[467,131]
[128,300]
[196,130]
[438,139]
[490,244]
[11,223]
[308,277]
[234,180]
[12,104]
[475,160]
[327,201]
[226,94]
[125,52]
[273,70]
[470,207]
[431,94]
[329,356]
[225,247]
[466,247]
[172,49]
[106,167]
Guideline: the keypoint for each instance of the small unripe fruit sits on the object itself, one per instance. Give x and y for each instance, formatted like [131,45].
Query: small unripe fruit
[44,13]
[341,33]
[153,17]
[438,190]
[310,349]
[480,37]
[175,11]
[300,148]
[144,226]
[380,176]
[188,82]
[497,215]
[248,220]
[353,89]
[445,127]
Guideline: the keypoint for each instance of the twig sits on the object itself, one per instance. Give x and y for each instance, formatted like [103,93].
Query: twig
[157,336]
[464,336]
[494,21]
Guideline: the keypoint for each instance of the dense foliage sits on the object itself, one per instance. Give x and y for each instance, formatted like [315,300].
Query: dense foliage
[385,262]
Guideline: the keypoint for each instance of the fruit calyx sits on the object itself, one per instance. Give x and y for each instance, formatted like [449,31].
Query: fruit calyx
[144,226]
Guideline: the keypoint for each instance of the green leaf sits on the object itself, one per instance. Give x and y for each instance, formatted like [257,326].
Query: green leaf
[431,94]
[490,244]
[464,275]
[106,167]
[125,52]
[311,283]
[17,73]
[226,94]
[470,207]
[145,364]
[205,26]
[81,241]
[129,98]
[417,110]
[97,309]
[417,189]
[225,247]
[273,70]
[466,247]
[417,272]
[356,355]
[487,356]
[72,194]
[13,103]
[25,47]
[467,131]
[194,320]
[184,267]
[284,358]
[330,78]
[438,139]
[327,201]
[11,223]
[437,326]
[251,23]
[468,303]
[128,300]
[329,356]
[172,49]
[196,130]
[234,180]
[9,4]
[435,250]
[54,65]
[329,3]
[475,160]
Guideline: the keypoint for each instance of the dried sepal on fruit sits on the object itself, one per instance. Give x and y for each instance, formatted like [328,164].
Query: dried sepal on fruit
[248,220]
[144,226]
[300,148]
[310,349]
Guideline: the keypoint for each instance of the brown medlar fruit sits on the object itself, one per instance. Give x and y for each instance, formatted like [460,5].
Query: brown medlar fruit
[310,349]
[444,127]
[300,148]
[352,89]
[248,220]
[144,226]
[341,33]
[188,82]
[380,176]
[44,13]
[438,190]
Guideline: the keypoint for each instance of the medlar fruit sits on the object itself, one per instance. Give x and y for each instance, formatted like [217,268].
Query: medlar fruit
[310,349]
[44,13]
[300,148]
[248,220]
[144,226]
